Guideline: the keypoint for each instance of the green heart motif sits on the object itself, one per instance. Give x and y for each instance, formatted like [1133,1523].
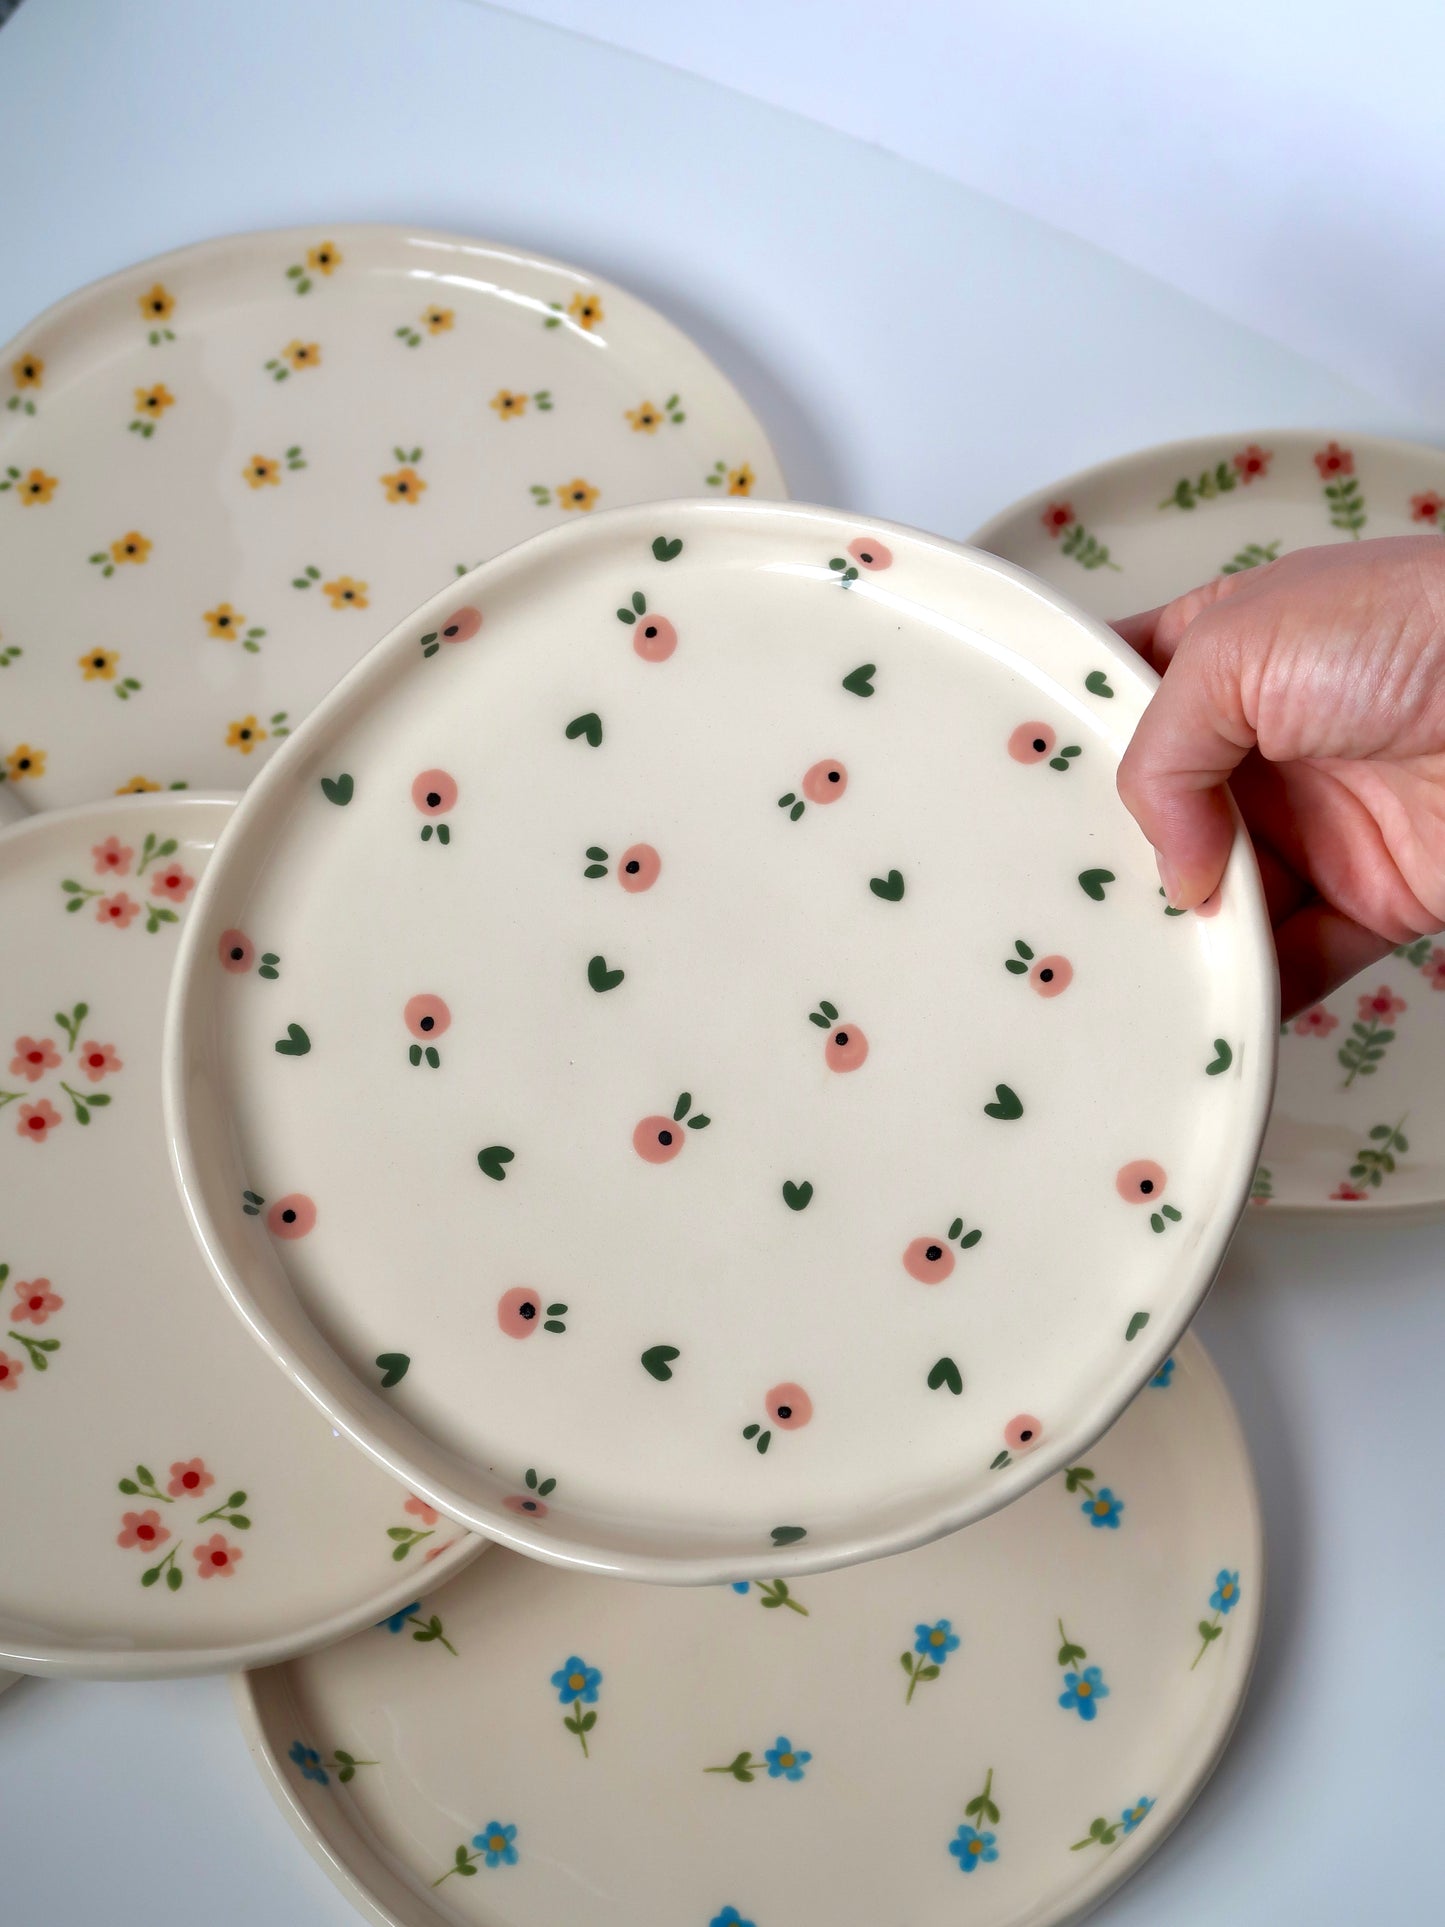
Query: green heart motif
[1008,1106]
[295,1043]
[664,550]
[945,1372]
[1092,882]
[338,789]
[1097,683]
[890,888]
[1223,1059]
[788,1535]
[394,1368]
[657,1359]
[589,726]
[600,977]
[492,1160]
[859,682]
[1135,1326]
[797,1197]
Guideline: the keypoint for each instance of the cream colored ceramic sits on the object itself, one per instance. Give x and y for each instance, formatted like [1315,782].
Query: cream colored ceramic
[736,1101]
[225,472]
[170,1504]
[997,1729]
[1359,1119]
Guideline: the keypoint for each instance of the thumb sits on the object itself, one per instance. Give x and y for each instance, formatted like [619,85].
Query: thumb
[1190,740]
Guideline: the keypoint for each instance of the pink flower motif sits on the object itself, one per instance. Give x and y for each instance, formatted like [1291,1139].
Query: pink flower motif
[1334,460]
[112,858]
[34,1056]
[437,1551]
[426,1017]
[1057,517]
[172,882]
[143,1529]
[434,792]
[1318,1022]
[34,1302]
[97,1060]
[1252,461]
[292,1216]
[869,553]
[419,1509]
[1382,1004]
[517,1502]
[1349,1194]
[1426,507]
[37,1121]
[119,910]
[1023,1433]
[10,1370]
[1434,971]
[216,1556]
[236,951]
[189,1479]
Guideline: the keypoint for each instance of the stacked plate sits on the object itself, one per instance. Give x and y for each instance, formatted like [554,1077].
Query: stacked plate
[678,1066]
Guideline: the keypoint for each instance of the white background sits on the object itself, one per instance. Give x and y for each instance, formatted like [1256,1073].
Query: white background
[926,353]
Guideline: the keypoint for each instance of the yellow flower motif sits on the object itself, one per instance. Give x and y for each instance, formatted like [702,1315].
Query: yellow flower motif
[260,472]
[324,259]
[438,320]
[131,547]
[740,480]
[155,305]
[37,487]
[98,665]
[24,761]
[645,419]
[137,786]
[28,372]
[508,405]
[245,735]
[303,354]
[224,622]
[154,401]
[404,486]
[585,310]
[577,494]
[346,594]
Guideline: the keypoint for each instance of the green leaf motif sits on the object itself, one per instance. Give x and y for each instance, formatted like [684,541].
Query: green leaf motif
[394,1367]
[797,1197]
[295,1043]
[665,550]
[859,681]
[1092,883]
[657,1360]
[945,1372]
[600,977]
[493,1160]
[588,725]
[889,888]
[1131,1332]
[1097,683]
[1008,1104]
[338,789]
[788,1535]
[1223,1058]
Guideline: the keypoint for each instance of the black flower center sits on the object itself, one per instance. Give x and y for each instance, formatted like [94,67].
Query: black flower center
[237,953]
[433,797]
[1146,1185]
[288,1217]
[633,867]
[427,1023]
[840,1037]
[785,1411]
[1046,976]
[1040,745]
[664,1137]
[933,1253]
[528,1310]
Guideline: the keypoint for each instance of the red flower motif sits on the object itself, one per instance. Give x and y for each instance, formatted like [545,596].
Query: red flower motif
[189,1479]
[1381,1003]
[37,1121]
[172,882]
[1318,1022]
[519,1502]
[10,1370]
[1252,461]
[34,1302]
[34,1056]
[96,1060]
[1434,971]
[216,1556]
[1334,460]
[1426,507]
[112,858]
[437,1551]
[1057,517]
[119,910]
[421,1510]
[1349,1194]
[143,1529]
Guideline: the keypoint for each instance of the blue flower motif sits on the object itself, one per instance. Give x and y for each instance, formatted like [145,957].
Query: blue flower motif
[1131,1816]
[1164,1374]
[1103,1509]
[936,1642]
[1084,1691]
[968,1847]
[399,1619]
[740,1585]
[494,1843]
[1225,1596]
[729,1917]
[785,1761]
[309,1761]
[576,1681]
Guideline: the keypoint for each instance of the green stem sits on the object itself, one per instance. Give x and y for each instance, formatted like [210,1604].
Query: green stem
[425,1625]
[1363,1045]
[83,894]
[9,1097]
[456,1865]
[1204,1645]
[912,1681]
[36,1350]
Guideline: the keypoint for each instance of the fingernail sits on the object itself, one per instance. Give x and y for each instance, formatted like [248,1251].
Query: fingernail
[1169,877]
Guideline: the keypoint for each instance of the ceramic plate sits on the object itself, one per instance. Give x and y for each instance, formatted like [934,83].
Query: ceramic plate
[996,1729]
[224,473]
[1359,1118]
[736,1100]
[171,1504]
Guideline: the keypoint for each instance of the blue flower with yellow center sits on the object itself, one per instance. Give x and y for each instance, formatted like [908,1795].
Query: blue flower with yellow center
[729,1917]
[399,1619]
[309,1761]
[576,1681]
[1083,1691]
[1131,1816]
[494,1844]
[970,1848]
[1164,1374]
[786,1761]
[1225,1596]
[1103,1509]
[936,1642]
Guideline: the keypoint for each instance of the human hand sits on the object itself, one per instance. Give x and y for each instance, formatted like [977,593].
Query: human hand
[1314,687]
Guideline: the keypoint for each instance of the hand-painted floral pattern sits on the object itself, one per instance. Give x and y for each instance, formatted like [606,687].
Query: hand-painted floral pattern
[169,883]
[216,1556]
[931,1646]
[975,1846]
[577,1683]
[1076,543]
[781,1761]
[312,1767]
[1106,1833]
[427,1627]
[1370,1033]
[35,1059]
[1222,1602]
[772,1593]
[1100,1507]
[1084,1686]
[35,1304]
[494,1846]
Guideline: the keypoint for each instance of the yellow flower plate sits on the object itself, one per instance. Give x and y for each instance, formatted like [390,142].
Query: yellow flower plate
[225,472]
